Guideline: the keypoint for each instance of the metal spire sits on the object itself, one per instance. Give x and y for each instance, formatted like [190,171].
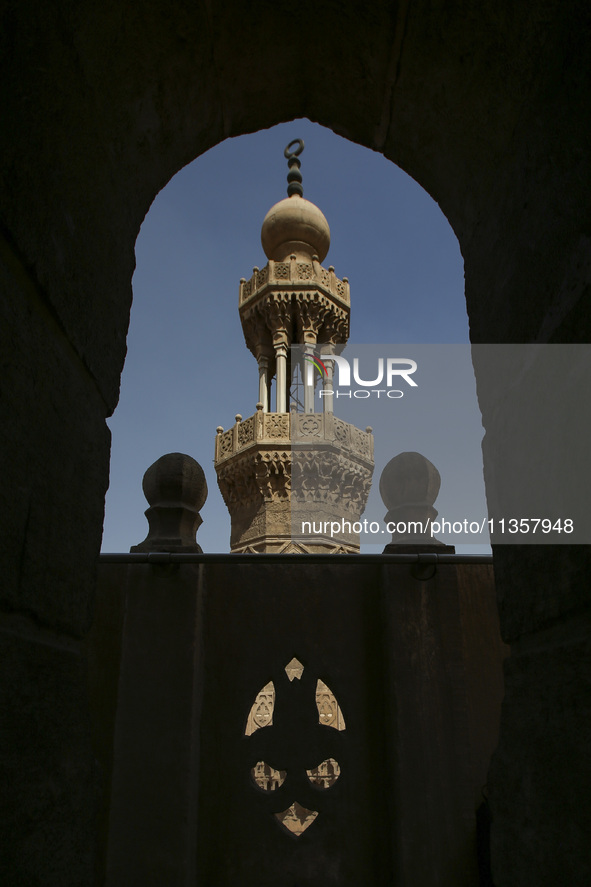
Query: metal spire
[294,176]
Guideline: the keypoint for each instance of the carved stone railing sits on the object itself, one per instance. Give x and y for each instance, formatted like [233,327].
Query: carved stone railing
[287,429]
[269,428]
[326,428]
[281,274]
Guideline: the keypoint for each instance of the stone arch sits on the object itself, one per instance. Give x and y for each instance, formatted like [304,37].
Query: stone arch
[486,107]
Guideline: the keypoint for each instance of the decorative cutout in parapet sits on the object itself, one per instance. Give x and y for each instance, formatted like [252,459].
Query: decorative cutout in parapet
[329,711]
[325,774]
[267,777]
[294,669]
[261,713]
[296,818]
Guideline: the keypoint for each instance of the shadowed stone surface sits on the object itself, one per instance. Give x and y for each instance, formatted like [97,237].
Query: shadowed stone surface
[415,667]
[544,756]
[50,780]
[56,473]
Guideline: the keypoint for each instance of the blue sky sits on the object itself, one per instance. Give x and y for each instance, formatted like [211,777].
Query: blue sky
[188,369]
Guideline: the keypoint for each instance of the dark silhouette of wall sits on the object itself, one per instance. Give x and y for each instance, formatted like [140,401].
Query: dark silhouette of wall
[179,651]
[486,105]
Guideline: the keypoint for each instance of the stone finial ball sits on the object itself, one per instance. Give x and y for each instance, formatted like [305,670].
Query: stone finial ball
[175,479]
[291,223]
[409,479]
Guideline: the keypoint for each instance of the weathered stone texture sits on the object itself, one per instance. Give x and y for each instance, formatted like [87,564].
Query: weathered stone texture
[445,729]
[50,781]
[561,586]
[103,646]
[541,772]
[55,472]
[153,700]
[415,666]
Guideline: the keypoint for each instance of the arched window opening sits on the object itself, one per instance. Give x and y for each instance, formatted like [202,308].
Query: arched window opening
[188,370]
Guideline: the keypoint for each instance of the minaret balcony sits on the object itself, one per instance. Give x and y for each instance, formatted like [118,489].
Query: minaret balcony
[284,429]
[277,471]
[294,275]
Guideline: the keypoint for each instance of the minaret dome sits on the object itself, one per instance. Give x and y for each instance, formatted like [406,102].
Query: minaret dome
[294,226]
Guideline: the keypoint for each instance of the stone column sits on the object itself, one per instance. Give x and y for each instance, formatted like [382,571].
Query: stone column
[263,362]
[281,363]
[308,376]
[327,399]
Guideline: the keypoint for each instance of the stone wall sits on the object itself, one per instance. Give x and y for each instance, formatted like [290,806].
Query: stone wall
[411,655]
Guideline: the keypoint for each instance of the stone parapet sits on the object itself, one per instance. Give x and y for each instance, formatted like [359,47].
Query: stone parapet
[283,429]
[328,428]
[179,654]
[273,428]
[304,274]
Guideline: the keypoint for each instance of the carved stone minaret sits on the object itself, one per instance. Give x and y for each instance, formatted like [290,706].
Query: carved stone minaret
[278,469]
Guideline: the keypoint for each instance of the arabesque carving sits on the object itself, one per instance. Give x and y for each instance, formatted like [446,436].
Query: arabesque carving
[255,476]
[330,478]
[294,295]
